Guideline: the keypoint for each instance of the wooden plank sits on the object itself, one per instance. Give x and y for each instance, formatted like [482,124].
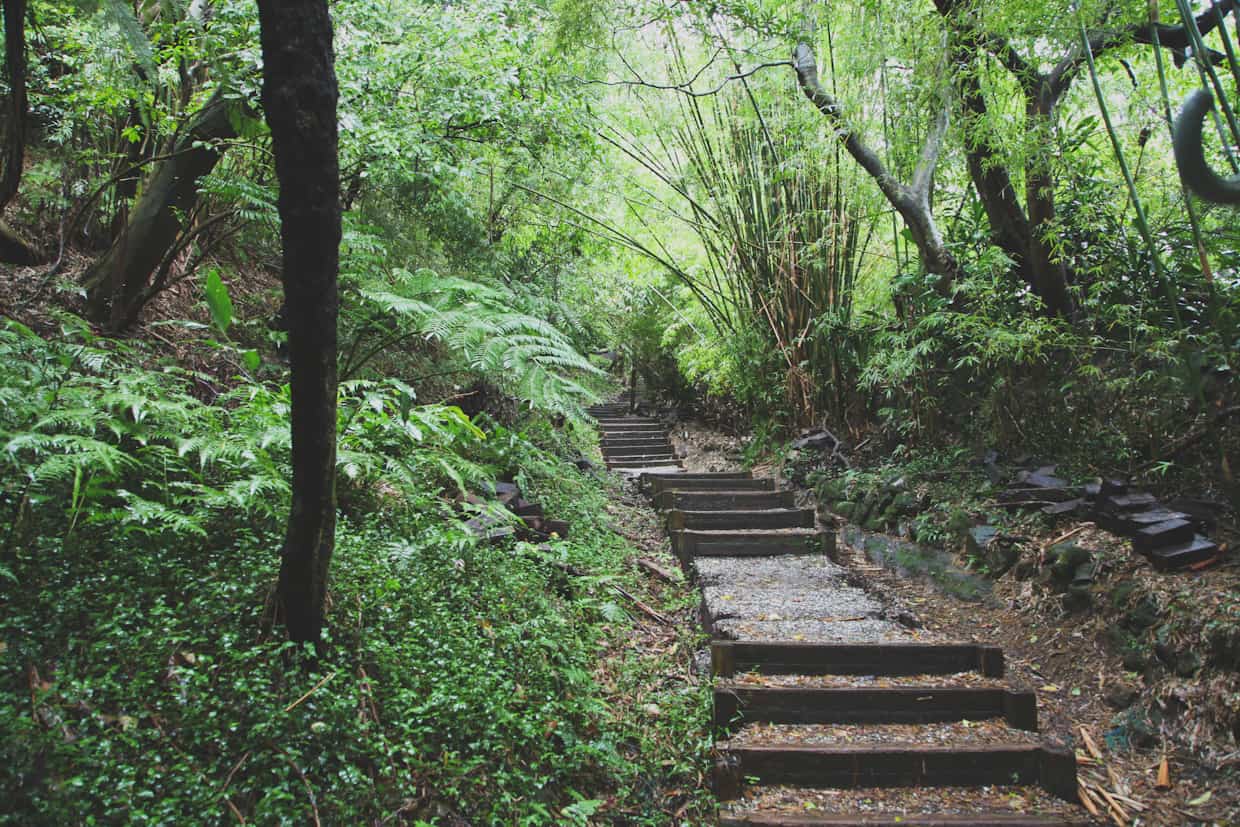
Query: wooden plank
[724,500]
[1185,554]
[663,449]
[659,485]
[678,519]
[1165,533]
[731,657]
[757,543]
[737,705]
[903,765]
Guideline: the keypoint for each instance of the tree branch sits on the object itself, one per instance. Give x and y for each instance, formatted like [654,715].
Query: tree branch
[806,67]
[1175,38]
[686,88]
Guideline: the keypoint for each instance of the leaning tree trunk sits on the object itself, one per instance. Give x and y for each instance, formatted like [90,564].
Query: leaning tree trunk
[118,280]
[912,200]
[299,99]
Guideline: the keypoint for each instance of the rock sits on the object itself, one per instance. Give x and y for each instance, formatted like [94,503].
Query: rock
[1223,641]
[818,440]
[1067,558]
[1120,694]
[1143,614]
[978,539]
[958,521]
[1132,728]
[1078,599]
[830,490]
[905,503]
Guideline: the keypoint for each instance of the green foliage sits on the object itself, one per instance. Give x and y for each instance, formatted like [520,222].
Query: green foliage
[524,355]
[144,681]
[218,301]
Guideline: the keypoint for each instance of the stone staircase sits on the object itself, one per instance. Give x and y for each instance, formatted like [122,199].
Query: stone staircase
[818,688]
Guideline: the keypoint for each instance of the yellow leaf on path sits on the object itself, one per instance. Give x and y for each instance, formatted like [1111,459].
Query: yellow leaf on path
[1050,687]
[1201,799]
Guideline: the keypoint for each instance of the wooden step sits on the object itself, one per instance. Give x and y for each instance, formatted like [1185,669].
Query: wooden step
[616,431]
[690,483]
[678,520]
[981,819]
[731,657]
[661,458]
[897,765]
[637,439]
[760,543]
[738,705]
[652,447]
[606,422]
[724,500]
[1166,533]
[1170,558]
[638,465]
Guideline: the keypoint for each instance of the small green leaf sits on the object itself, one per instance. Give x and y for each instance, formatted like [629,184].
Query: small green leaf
[251,360]
[218,301]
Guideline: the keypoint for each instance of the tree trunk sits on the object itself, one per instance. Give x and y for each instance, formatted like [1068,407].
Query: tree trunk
[1016,233]
[117,281]
[15,116]
[299,99]
[911,201]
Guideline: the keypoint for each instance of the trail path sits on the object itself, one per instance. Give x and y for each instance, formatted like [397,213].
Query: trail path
[829,708]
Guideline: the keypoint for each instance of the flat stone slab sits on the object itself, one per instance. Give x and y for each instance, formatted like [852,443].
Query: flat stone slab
[741,601]
[795,570]
[856,631]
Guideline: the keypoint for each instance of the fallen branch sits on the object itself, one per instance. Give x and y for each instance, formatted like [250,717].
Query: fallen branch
[657,570]
[1069,535]
[646,610]
[313,689]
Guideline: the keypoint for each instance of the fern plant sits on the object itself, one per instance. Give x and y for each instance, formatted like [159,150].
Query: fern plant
[526,356]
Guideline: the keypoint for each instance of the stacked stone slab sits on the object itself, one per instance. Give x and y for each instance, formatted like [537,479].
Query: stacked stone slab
[633,443]
[726,525]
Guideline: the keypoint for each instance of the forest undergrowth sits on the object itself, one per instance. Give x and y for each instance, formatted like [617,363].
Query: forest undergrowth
[146,680]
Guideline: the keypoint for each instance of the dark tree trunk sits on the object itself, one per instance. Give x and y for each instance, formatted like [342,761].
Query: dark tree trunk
[1014,231]
[13,248]
[116,283]
[15,114]
[1047,277]
[1020,235]
[299,99]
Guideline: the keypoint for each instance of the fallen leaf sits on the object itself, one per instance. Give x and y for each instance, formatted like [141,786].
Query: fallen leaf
[1201,799]
[1164,775]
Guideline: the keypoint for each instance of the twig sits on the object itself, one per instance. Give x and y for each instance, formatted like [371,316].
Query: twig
[314,807]
[647,610]
[1047,546]
[1087,799]
[1090,744]
[313,689]
[235,811]
[657,570]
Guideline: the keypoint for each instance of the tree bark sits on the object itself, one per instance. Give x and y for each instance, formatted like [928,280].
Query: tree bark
[911,201]
[299,98]
[117,281]
[15,116]
[1017,232]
